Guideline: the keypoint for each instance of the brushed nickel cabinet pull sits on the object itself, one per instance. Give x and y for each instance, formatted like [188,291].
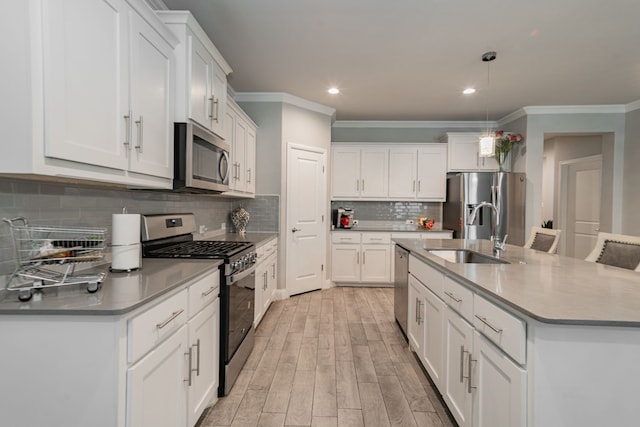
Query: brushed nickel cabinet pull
[127,124]
[210,101]
[208,291]
[486,322]
[173,316]
[140,124]
[462,352]
[190,355]
[216,103]
[452,296]
[197,357]
[470,361]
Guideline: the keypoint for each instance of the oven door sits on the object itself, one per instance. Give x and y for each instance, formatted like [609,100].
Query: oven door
[241,291]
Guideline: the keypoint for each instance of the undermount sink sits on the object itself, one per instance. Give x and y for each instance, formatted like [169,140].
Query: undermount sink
[465,256]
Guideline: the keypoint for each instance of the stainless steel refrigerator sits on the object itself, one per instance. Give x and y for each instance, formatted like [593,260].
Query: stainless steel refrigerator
[506,190]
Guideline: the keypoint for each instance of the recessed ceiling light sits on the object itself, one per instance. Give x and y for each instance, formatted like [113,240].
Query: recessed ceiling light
[334,91]
[469,91]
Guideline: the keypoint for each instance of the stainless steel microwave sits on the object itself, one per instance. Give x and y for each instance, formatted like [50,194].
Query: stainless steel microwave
[201,160]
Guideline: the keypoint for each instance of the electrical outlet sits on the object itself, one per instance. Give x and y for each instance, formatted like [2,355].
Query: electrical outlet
[223,226]
[409,221]
[202,229]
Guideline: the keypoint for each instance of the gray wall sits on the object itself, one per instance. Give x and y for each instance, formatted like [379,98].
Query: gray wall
[343,132]
[631,189]
[530,155]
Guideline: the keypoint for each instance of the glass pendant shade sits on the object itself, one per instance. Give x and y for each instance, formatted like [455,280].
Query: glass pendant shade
[487,146]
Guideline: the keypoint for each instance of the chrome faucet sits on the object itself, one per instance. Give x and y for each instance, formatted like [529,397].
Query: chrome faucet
[498,243]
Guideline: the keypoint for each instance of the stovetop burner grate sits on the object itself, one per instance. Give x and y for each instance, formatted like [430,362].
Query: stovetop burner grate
[200,248]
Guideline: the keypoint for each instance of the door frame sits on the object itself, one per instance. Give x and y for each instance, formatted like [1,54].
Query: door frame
[288,214]
[563,189]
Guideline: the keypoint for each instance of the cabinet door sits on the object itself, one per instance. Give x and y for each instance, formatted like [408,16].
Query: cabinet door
[238,179]
[157,387]
[345,263]
[463,155]
[433,336]
[499,396]
[152,76]
[272,280]
[432,173]
[402,172]
[250,161]
[376,263]
[416,307]
[218,104]
[86,81]
[204,339]
[345,174]
[260,283]
[201,83]
[374,172]
[458,342]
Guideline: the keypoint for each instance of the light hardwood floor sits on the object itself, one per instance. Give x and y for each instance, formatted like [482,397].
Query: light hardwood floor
[334,357]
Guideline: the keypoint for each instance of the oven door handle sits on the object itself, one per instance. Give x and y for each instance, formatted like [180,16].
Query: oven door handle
[237,277]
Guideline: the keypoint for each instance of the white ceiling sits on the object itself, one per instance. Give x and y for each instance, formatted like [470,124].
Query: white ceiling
[410,59]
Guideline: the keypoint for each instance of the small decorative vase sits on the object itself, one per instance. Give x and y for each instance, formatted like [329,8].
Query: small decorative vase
[501,157]
[240,218]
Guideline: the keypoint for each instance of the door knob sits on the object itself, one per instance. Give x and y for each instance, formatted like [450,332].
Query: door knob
[296,229]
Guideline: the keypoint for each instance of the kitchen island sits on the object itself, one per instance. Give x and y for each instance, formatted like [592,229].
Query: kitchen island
[539,340]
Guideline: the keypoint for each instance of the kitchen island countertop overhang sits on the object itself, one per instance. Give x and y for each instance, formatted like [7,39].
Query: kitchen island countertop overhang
[544,287]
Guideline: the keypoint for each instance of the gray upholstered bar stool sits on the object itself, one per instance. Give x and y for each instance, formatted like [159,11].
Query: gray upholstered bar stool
[543,239]
[618,250]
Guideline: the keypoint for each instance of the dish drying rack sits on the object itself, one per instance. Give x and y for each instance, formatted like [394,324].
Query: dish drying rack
[49,256]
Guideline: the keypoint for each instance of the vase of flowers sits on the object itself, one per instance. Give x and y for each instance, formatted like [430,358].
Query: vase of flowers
[504,144]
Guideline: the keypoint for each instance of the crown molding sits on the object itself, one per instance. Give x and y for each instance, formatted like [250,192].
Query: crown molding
[512,117]
[284,98]
[575,109]
[157,4]
[411,124]
[632,106]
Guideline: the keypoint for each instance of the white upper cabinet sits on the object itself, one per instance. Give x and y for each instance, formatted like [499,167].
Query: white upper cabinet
[360,172]
[240,133]
[418,172]
[463,153]
[378,172]
[201,89]
[101,98]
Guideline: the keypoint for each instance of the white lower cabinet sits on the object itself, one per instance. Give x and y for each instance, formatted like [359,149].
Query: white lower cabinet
[458,345]
[176,377]
[204,338]
[266,278]
[498,387]
[361,257]
[156,387]
[479,368]
[416,313]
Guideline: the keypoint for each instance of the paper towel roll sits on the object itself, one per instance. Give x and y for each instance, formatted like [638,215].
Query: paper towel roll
[125,229]
[125,258]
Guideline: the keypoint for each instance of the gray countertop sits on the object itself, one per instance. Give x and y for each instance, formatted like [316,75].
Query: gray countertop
[548,288]
[121,292]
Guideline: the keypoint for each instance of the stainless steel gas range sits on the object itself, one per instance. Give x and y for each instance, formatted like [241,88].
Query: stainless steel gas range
[171,236]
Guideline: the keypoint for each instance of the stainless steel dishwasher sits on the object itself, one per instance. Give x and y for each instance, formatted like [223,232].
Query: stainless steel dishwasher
[401,288]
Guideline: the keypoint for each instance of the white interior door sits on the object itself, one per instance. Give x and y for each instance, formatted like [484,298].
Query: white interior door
[306,228]
[581,186]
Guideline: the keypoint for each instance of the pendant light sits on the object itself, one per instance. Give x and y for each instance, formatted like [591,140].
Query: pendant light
[487,143]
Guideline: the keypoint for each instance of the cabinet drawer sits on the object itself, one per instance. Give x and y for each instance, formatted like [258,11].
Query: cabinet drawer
[376,238]
[345,237]
[432,278]
[148,329]
[505,330]
[459,298]
[203,292]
